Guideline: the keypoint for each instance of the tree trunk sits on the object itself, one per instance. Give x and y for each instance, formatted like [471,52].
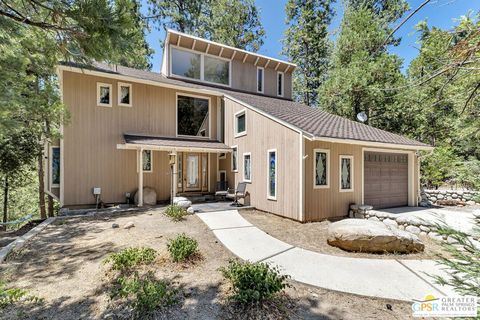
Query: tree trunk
[50,206]
[5,203]
[41,187]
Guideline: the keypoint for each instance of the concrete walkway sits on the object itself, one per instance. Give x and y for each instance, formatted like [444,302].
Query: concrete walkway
[384,278]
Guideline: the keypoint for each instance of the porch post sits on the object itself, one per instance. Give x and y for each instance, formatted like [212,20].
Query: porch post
[140,177]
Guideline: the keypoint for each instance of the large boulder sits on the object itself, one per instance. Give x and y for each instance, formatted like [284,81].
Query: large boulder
[371,236]
[182,202]
[149,196]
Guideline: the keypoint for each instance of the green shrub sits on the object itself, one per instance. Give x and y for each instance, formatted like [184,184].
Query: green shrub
[476,198]
[254,282]
[182,247]
[145,292]
[131,257]
[13,295]
[175,212]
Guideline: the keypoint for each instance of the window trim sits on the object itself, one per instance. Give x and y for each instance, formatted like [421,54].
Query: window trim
[209,115]
[235,126]
[243,169]
[269,197]
[109,85]
[315,151]
[220,157]
[151,160]
[231,162]
[202,64]
[263,79]
[119,94]
[352,172]
[282,84]
[50,163]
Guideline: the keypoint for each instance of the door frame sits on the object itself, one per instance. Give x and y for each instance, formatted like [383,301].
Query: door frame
[184,177]
[412,198]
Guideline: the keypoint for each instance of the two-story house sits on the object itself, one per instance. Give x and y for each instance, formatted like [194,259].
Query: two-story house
[220,113]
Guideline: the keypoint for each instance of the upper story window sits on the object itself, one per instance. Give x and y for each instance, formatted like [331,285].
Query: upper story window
[199,66]
[124,94]
[280,84]
[260,79]
[193,116]
[240,123]
[104,94]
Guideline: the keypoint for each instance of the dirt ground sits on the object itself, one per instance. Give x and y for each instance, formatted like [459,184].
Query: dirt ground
[313,236]
[63,267]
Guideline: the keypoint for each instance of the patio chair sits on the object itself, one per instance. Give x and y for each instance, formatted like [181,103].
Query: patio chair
[222,190]
[237,194]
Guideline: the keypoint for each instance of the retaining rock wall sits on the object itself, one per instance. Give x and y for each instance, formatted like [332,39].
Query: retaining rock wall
[448,197]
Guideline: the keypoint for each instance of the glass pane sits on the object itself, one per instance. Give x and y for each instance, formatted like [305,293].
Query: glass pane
[234,159]
[216,70]
[55,165]
[105,95]
[246,168]
[204,171]
[280,84]
[179,170]
[346,173]
[241,123]
[185,64]
[272,167]
[147,160]
[125,95]
[260,80]
[192,116]
[321,169]
[192,171]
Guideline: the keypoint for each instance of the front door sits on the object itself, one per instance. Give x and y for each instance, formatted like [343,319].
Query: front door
[191,176]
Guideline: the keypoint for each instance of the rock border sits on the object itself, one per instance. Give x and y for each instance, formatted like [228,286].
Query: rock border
[20,242]
[448,197]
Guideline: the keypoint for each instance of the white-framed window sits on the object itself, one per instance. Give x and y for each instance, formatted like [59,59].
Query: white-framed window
[147,160]
[247,167]
[54,167]
[193,116]
[346,173]
[260,79]
[280,84]
[190,64]
[234,159]
[272,174]
[240,123]
[321,168]
[104,94]
[222,155]
[124,94]
[222,175]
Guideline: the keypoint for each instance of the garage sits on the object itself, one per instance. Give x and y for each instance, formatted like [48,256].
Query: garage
[385,179]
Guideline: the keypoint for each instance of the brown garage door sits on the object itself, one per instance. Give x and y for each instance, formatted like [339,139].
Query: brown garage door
[385,179]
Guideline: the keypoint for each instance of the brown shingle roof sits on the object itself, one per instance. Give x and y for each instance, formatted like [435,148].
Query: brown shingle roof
[175,142]
[312,121]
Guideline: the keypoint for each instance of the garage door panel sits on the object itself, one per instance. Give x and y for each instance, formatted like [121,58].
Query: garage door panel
[385,179]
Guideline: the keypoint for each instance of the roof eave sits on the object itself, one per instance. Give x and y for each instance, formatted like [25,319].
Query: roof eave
[375,144]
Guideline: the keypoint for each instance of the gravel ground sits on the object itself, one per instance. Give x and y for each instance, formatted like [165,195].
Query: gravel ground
[313,236]
[63,267]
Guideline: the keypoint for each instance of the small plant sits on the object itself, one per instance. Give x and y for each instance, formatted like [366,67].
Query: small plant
[176,213]
[254,282]
[182,247]
[145,292]
[131,257]
[13,295]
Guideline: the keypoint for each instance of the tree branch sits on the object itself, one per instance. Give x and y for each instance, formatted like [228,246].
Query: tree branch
[470,97]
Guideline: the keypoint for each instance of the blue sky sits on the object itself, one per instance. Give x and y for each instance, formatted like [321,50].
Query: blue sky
[440,13]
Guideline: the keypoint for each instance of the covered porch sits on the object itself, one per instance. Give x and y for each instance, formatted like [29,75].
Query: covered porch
[193,162]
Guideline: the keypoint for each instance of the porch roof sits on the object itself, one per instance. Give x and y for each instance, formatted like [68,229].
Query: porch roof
[137,141]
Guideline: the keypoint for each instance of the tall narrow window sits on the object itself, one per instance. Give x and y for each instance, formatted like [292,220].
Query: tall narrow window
[147,161]
[280,84]
[234,158]
[204,171]
[124,94]
[272,174]
[180,171]
[321,168]
[346,173]
[247,167]
[104,94]
[240,123]
[260,78]
[55,167]
[192,116]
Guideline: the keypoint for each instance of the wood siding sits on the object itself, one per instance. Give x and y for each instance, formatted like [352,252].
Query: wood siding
[264,134]
[91,158]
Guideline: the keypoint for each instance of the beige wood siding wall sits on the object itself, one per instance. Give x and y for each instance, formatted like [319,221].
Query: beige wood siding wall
[264,134]
[329,202]
[91,158]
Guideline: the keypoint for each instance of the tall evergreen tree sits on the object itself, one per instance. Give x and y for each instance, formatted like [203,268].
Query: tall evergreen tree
[306,44]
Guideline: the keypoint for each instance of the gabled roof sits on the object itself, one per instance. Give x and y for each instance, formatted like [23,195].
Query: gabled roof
[311,121]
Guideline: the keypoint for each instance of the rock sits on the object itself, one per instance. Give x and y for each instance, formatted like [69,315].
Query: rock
[401,227]
[182,202]
[190,210]
[129,225]
[365,207]
[371,236]
[391,223]
[454,196]
[451,240]
[424,228]
[413,229]
[433,199]
[435,236]
[373,219]
[470,203]
[149,196]
[440,197]
[115,225]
